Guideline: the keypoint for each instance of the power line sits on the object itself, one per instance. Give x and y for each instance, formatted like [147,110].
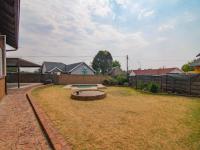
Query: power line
[64,56]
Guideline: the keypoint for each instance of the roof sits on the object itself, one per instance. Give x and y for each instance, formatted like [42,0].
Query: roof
[15,62]
[51,65]
[9,21]
[116,71]
[195,63]
[70,67]
[63,67]
[154,71]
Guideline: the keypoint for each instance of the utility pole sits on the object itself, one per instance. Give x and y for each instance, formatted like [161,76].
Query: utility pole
[127,65]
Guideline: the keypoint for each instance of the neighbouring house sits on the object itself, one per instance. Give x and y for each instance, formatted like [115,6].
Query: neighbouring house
[162,71]
[115,71]
[9,33]
[196,64]
[80,68]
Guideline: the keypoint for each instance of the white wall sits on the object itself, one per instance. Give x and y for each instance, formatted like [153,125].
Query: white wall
[82,69]
[43,69]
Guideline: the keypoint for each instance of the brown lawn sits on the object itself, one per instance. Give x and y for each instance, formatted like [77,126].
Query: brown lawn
[125,120]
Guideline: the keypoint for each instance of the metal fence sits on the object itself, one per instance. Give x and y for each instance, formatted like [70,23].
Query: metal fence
[174,83]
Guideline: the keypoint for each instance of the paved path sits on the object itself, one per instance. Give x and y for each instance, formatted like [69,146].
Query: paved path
[19,129]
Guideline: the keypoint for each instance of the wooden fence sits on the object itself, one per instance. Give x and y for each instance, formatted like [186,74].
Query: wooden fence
[174,83]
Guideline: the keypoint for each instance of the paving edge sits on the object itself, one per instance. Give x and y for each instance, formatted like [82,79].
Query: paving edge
[55,139]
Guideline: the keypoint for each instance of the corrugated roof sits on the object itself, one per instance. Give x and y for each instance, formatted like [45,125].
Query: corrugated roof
[9,21]
[13,62]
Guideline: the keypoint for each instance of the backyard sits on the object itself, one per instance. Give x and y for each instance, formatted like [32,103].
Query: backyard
[125,119]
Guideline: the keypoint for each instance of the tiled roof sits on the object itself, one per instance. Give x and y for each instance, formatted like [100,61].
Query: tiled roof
[51,65]
[154,71]
[65,68]
[69,67]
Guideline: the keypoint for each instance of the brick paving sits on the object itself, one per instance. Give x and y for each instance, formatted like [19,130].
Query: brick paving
[19,129]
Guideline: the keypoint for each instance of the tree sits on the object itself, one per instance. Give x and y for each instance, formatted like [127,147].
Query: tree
[102,62]
[187,67]
[116,63]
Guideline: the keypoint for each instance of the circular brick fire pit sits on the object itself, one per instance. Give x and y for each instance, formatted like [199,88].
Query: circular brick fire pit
[86,95]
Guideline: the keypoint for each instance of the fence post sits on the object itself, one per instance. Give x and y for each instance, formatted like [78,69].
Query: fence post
[136,82]
[190,92]
[161,83]
[166,84]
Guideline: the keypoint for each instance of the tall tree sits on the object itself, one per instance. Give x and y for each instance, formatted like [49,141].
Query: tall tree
[102,62]
[187,67]
[116,63]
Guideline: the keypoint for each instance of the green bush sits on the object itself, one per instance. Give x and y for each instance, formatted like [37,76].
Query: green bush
[106,82]
[142,86]
[151,87]
[121,79]
[111,81]
[154,88]
[118,80]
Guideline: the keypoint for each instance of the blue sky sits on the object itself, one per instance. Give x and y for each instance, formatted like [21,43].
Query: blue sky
[154,33]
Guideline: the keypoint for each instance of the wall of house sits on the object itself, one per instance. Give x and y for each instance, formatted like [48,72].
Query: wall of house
[81,79]
[197,69]
[2,87]
[2,63]
[176,71]
[43,69]
[82,70]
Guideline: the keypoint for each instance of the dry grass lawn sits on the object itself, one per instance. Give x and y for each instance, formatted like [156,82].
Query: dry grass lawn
[125,120]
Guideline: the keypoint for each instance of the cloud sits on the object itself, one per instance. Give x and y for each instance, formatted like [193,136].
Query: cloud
[145,13]
[166,27]
[82,27]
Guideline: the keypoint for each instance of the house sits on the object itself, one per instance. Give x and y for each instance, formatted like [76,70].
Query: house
[80,68]
[196,64]
[9,33]
[115,71]
[162,71]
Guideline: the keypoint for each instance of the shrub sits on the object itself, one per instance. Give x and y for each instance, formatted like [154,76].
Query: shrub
[106,82]
[142,86]
[111,81]
[121,79]
[151,87]
[154,88]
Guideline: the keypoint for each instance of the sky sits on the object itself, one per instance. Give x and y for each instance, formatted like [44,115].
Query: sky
[153,33]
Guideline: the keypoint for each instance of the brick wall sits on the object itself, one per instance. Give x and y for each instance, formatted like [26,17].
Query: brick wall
[2,87]
[57,79]
[81,79]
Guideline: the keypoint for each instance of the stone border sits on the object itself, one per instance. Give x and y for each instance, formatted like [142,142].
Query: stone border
[55,139]
[99,96]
